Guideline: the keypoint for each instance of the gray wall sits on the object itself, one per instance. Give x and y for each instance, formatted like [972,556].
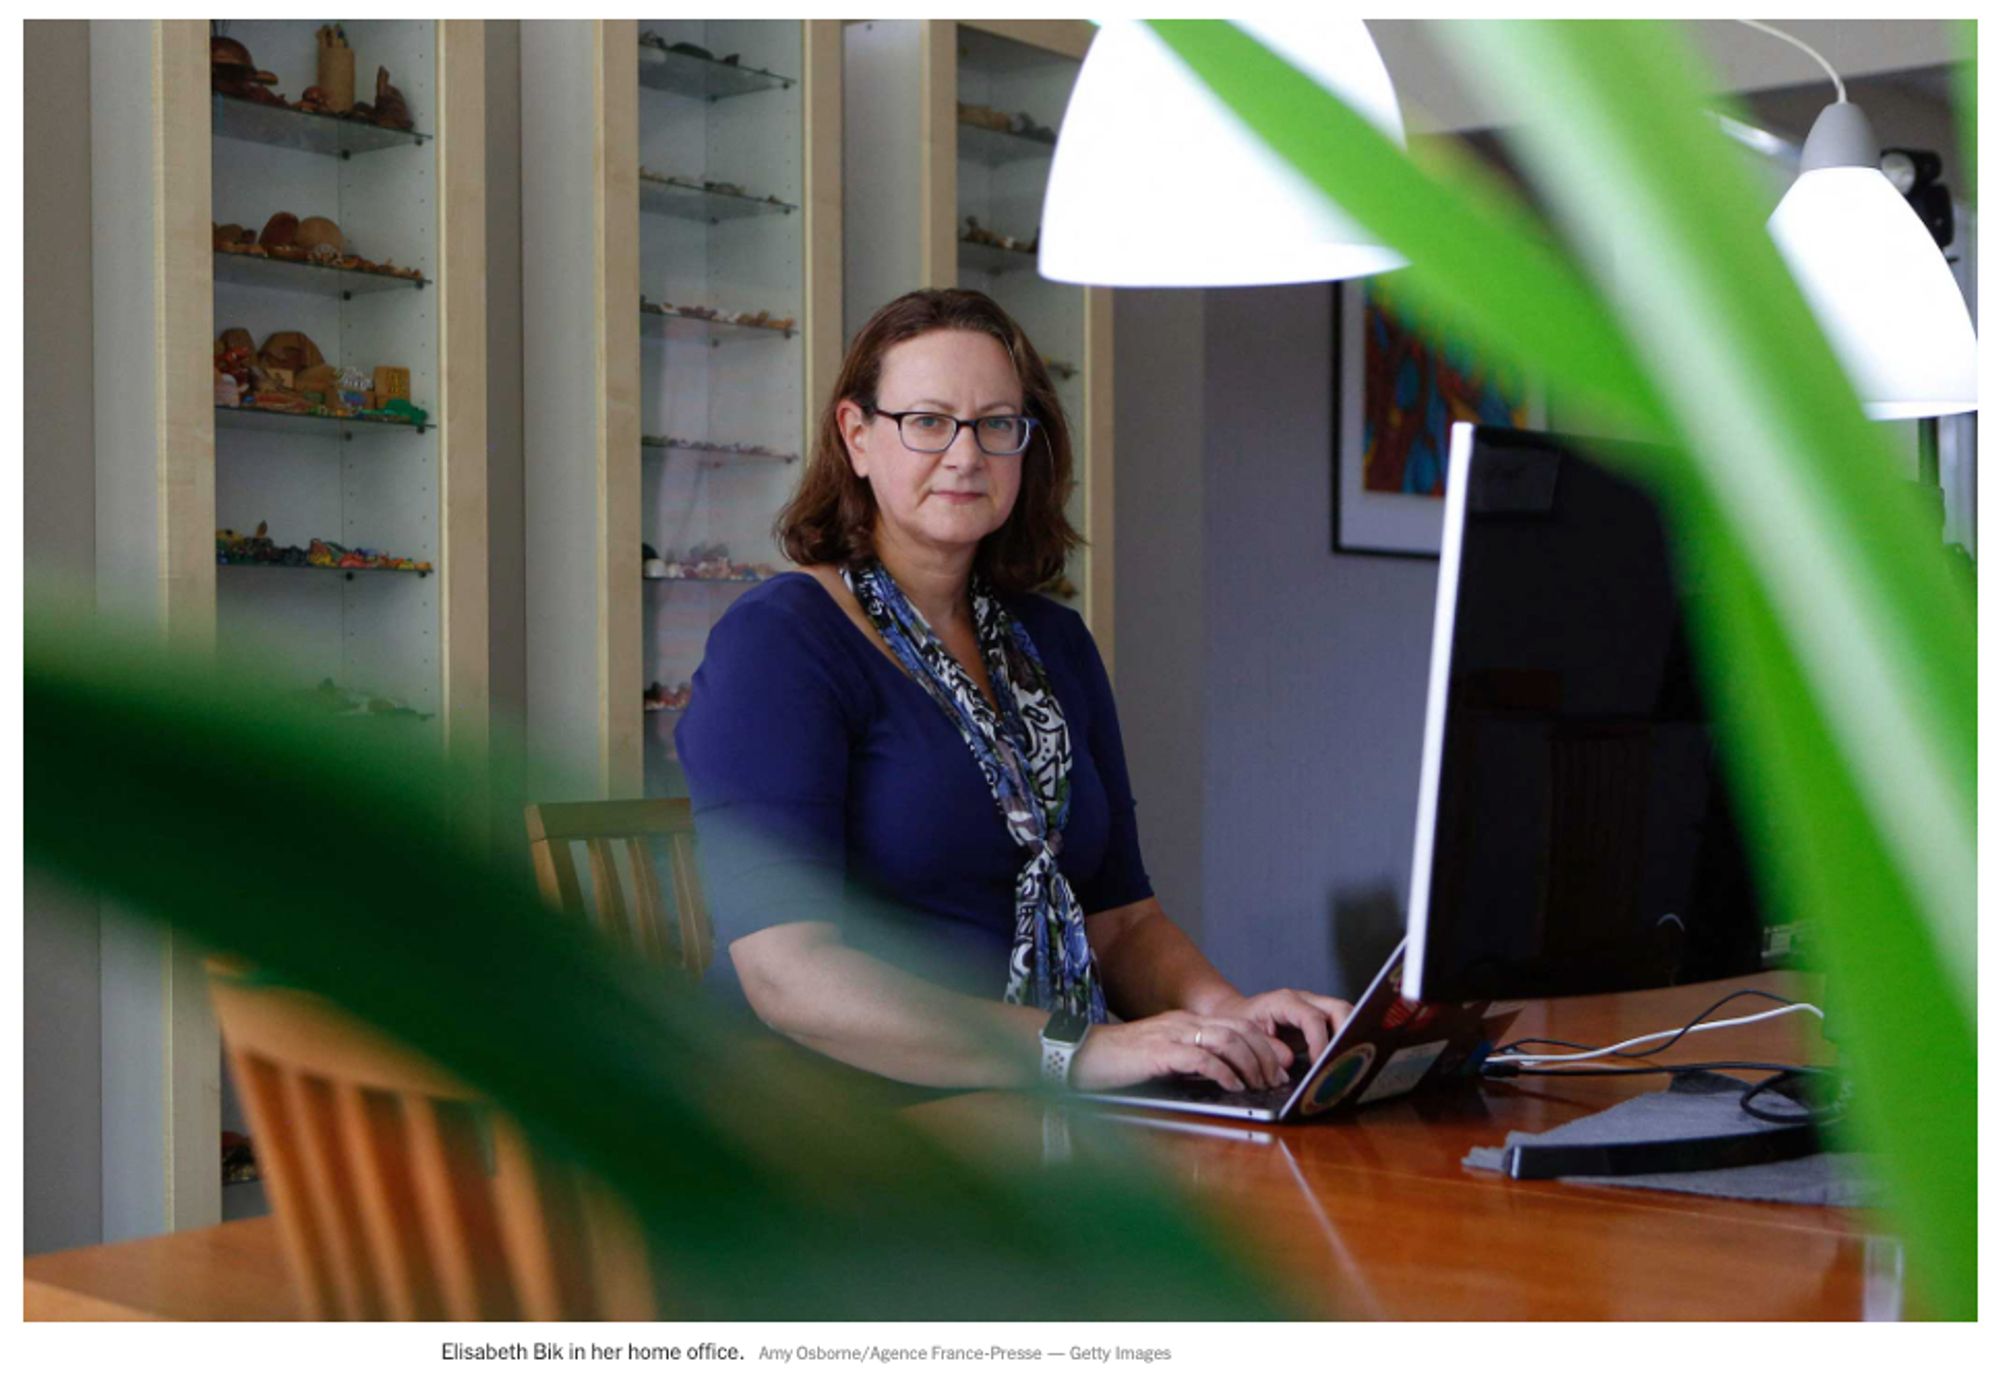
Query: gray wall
[1317,664]
[61,1132]
[1161,601]
[1271,691]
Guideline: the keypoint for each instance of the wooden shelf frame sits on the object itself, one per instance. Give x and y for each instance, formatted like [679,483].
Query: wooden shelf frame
[593,591]
[155,467]
[941,253]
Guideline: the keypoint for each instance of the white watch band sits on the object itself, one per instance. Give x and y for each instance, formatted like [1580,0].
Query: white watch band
[1056,1059]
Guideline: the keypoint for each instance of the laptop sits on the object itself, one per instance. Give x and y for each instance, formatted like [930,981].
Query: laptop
[1388,1047]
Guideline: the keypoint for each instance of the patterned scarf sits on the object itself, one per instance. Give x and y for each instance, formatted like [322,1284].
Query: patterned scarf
[1022,749]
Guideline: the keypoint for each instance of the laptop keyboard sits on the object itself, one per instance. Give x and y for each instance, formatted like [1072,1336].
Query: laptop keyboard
[1211,1093]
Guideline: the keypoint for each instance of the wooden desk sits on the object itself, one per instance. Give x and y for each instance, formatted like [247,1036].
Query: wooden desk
[234,1272]
[1373,1216]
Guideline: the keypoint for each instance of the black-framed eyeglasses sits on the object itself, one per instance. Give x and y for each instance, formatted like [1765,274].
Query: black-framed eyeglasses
[932,432]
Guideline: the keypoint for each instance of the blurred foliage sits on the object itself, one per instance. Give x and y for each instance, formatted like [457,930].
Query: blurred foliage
[1840,644]
[321,850]
[1965,96]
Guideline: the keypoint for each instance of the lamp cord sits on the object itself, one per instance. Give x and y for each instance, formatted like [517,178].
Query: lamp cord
[1839,87]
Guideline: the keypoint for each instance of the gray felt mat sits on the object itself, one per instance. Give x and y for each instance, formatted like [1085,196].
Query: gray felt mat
[1699,1104]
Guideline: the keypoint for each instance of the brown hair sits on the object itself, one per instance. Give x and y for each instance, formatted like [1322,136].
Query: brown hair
[831,518]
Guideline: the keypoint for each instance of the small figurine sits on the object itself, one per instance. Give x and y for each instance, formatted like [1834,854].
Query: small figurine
[390,108]
[233,72]
[280,237]
[391,383]
[320,384]
[235,352]
[290,351]
[335,71]
[320,238]
[357,389]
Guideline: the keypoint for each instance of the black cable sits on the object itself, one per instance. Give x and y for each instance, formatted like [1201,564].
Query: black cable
[1782,1072]
[1806,1111]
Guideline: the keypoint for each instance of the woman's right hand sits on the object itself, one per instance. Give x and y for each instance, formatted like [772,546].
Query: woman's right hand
[1236,1056]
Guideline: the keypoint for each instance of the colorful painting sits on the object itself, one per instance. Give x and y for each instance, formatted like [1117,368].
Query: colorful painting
[1402,383]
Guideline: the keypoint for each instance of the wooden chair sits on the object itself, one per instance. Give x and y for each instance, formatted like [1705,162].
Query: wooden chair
[399,1193]
[635,913]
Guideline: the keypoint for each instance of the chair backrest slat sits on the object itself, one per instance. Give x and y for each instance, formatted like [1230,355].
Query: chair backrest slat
[327,1179]
[609,893]
[649,905]
[377,1149]
[399,1192]
[262,1086]
[603,827]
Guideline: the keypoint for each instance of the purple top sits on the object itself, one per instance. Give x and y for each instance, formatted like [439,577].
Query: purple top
[828,786]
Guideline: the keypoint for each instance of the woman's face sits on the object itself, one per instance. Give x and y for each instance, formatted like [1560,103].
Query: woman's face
[937,502]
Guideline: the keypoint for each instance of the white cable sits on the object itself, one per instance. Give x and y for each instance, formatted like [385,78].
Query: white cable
[1839,87]
[1532,1059]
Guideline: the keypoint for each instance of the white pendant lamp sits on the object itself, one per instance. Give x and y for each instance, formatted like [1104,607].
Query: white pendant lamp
[1156,182]
[1872,273]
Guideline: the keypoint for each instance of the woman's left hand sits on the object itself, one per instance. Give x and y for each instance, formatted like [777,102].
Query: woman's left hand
[1317,1016]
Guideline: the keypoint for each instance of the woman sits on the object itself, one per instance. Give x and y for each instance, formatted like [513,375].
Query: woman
[900,746]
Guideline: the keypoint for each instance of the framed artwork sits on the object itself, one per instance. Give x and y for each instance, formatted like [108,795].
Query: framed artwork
[1399,384]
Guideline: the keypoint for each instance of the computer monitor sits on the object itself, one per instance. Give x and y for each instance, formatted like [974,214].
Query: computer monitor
[1575,832]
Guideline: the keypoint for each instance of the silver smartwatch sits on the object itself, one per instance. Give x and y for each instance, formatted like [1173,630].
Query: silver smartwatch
[1061,1037]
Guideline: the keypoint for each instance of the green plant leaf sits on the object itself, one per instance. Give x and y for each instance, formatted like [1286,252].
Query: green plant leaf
[1857,711]
[1965,96]
[770,1185]
[1840,641]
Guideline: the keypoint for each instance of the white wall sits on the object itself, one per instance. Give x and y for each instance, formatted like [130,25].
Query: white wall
[62,1130]
[1435,97]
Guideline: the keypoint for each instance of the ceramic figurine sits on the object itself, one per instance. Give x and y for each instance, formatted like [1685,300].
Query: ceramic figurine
[233,72]
[335,70]
[391,383]
[320,236]
[390,108]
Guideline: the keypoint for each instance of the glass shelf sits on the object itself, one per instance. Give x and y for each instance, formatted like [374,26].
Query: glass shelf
[673,197]
[249,417]
[303,277]
[239,118]
[318,569]
[687,75]
[751,453]
[671,323]
[997,260]
[985,145]
[693,579]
